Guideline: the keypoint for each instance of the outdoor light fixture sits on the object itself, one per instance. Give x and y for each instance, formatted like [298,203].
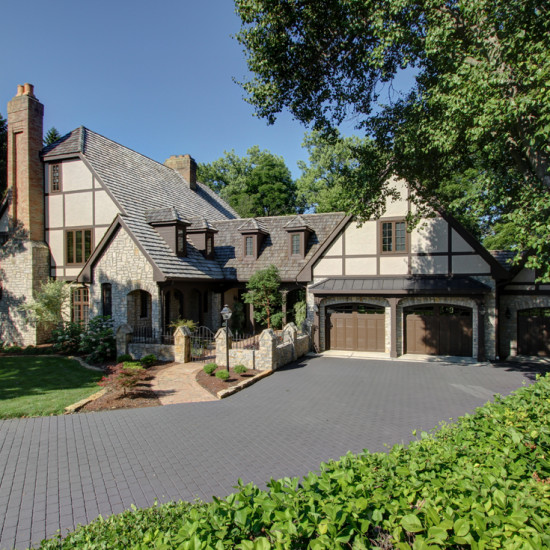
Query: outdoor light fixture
[226,315]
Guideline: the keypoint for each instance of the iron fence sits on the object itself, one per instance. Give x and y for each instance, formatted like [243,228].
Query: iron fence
[149,335]
[203,344]
[245,341]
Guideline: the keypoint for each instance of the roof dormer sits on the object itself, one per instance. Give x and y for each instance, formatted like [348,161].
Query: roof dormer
[201,234]
[298,236]
[253,237]
[171,226]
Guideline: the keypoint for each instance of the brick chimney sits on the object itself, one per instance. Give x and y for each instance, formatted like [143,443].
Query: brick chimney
[25,172]
[186,166]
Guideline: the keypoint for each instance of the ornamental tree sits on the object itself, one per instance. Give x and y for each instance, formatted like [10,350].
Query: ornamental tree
[265,296]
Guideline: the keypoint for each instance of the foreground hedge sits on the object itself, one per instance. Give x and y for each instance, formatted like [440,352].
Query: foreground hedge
[483,482]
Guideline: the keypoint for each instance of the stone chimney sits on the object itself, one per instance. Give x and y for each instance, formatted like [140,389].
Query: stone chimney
[25,172]
[186,166]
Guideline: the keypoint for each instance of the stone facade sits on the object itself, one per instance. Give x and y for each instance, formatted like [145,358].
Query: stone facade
[270,355]
[124,266]
[24,267]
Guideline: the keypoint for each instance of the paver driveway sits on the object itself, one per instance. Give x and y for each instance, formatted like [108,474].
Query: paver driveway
[56,472]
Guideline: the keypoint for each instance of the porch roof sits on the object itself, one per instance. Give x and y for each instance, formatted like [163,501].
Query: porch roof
[401,285]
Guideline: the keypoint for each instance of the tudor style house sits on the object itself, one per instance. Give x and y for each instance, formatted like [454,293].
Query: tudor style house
[146,244]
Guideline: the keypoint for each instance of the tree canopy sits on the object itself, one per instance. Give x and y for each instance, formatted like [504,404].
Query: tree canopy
[258,184]
[52,135]
[472,133]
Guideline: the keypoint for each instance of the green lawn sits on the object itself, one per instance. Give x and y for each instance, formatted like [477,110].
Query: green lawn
[42,386]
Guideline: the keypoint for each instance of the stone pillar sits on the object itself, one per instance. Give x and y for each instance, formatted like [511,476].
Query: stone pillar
[182,345]
[481,311]
[315,328]
[266,356]
[393,324]
[123,338]
[290,334]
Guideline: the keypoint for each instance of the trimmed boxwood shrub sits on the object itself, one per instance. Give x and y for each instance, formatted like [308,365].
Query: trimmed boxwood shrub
[483,482]
[240,369]
[124,357]
[222,375]
[148,360]
[209,368]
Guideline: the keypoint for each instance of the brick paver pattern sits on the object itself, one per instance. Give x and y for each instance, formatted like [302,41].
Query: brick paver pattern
[57,472]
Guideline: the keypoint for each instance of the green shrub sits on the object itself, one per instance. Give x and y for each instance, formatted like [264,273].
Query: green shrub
[124,377]
[191,325]
[13,349]
[66,338]
[483,482]
[222,375]
[124,357]
[148,360]
[240,369]
[98,340]
[209,368]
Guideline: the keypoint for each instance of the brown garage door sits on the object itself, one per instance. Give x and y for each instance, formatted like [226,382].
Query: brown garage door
[534,331]
[356,328]
[438,330]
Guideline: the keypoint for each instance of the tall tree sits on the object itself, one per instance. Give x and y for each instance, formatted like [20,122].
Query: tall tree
[332,162]
[3,155]
[263,292]
[258,184]
[479,107]
[52,135]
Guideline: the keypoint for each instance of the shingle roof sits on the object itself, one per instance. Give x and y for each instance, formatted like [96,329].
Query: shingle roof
[297,222]
[201,224]
[275,247]
[146,190]
[503,257]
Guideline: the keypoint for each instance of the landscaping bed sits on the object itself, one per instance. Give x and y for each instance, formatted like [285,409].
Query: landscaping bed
[214,385]
[140,396]
[482,482]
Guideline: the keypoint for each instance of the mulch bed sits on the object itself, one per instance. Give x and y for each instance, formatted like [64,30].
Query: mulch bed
[214,385]
[141,396]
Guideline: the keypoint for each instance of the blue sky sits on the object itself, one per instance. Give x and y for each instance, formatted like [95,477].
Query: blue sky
[154,76]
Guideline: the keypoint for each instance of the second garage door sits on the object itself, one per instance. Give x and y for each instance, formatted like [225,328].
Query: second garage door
[356,327]
[438,330]
[534,331]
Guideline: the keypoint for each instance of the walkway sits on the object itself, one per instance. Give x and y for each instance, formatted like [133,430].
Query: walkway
[177,384]
[56,472]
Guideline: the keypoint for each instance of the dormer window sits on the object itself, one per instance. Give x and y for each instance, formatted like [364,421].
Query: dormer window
[249,246]
[296,245]
[201,234]
[253,238]
[298,236]
[171,226]
[180,241]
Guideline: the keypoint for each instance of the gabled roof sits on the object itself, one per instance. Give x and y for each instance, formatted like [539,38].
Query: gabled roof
[147,191]
[252,225]
[168,214]
[201,224]
[297,223]
[275,247]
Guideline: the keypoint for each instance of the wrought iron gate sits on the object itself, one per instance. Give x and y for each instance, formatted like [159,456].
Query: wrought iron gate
[203,344]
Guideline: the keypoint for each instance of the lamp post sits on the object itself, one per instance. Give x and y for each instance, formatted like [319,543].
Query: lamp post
[226,315]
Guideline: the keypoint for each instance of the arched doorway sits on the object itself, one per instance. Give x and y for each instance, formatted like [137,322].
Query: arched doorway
[356,327]
[139,310]
[438,329]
